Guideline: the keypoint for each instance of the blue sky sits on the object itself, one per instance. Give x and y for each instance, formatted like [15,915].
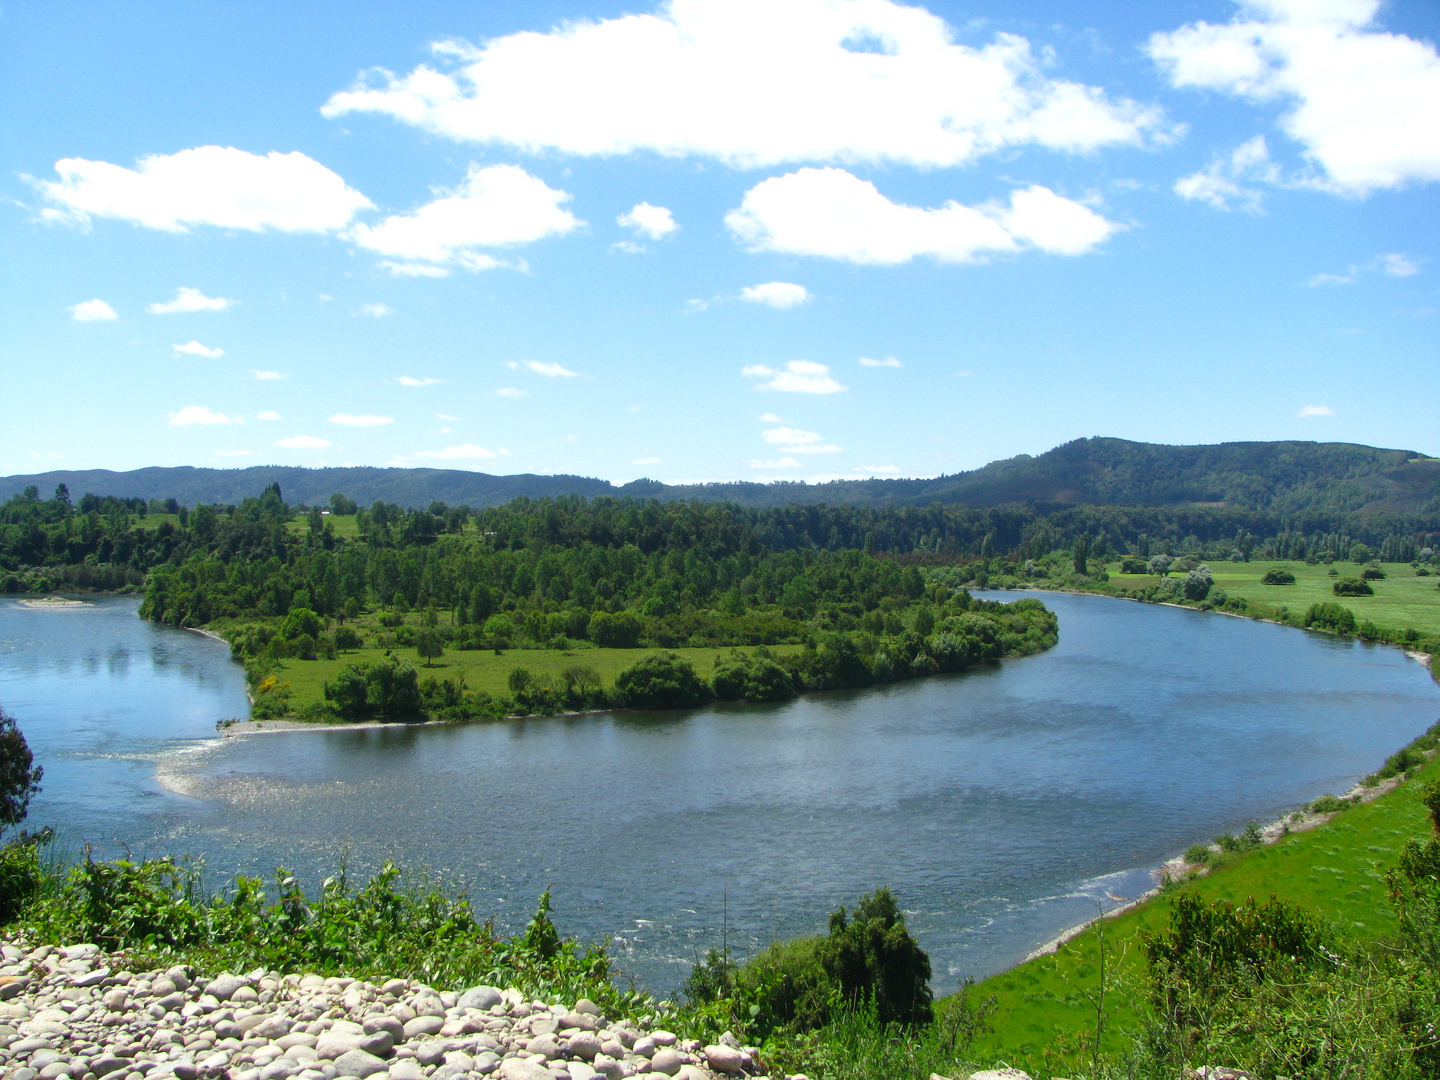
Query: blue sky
[712,239]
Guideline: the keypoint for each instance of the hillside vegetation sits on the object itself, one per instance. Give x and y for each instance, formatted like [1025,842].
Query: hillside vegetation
[1276,477]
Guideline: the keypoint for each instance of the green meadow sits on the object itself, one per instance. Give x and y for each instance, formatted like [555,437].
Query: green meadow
[484,670]
[1045,1009]
[1402,600]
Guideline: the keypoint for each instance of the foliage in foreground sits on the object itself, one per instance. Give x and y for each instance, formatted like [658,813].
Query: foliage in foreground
[159,910]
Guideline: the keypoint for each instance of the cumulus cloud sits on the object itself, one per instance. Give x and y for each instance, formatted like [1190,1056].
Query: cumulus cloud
[194,348]
[188,300]
[92,311]
[375,311]
[752,83]
[776,294]
[494,207]
[265,376]
[198,414]
[796,441]
[267,414]
[651,222]
[415,269]
[208,185]
[510,391]
[551,371]
[303,442]
[797,377]
[1363,105]
[889,361]
[411,380]
[1315,410]
[364,420]
[832,213]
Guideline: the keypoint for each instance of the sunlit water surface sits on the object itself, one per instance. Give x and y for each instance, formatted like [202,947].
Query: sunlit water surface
[1001,805]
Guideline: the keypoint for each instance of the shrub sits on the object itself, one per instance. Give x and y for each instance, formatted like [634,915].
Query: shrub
[618,631]
[874,960]
[755,678]
[1198,854]
[1131,565]
[1352,587]
[1330,804]
[386,688]
[1197,583]
[1372,573]
[301,621]
[347,638]
[1278,575]
[1331,616]
[661,681]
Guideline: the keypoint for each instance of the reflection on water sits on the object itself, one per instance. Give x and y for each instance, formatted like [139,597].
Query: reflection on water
[1001,805]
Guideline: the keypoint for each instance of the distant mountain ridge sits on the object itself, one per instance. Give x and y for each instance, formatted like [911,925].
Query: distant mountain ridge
[1283,477]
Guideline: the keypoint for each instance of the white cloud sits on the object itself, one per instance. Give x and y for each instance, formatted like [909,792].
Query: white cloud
[776,294]
[510,391]
[1223,182]
[770,418]
[411,380]
[1397,265]
[92,311]
[889,361]
[799,377]
[880,470]
[375,311]
[796,441]
[268,414]
[1363,105]
[1392,264]
[463,452]
[781,463]
[694,307]
[647,461]
[188,300]
[415,270]
[651,222]
[198,414]
[265,376]
[365,420]
[752,83]
[194,348]
[303,442]
[832,213]
[1316,410]
[209,185]
[551,371]
[496,206]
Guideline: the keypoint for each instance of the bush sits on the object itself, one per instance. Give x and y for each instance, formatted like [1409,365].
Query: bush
[1372,573]
[1197,583]
[618,631]
[386,688]
[1278,575]
[1330,616]
[301,621]
[1352,587]
[1131,565]
[661,681]
[874,960]
[347,638]
[1330,804]
[1198,854]
[756,678]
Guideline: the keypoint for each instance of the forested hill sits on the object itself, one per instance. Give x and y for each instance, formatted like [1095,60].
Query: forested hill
[1280,477]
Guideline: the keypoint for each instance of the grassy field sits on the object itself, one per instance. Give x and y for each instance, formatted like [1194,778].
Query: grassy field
[1401,600]
[483,670]
[1045,1008]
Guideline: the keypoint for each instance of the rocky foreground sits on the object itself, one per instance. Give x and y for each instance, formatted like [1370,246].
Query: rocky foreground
[77,1012]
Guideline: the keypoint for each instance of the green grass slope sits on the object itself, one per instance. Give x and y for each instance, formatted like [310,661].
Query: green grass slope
[1046,1008]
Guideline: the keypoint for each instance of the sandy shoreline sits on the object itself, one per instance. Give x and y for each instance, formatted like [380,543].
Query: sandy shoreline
[54,603]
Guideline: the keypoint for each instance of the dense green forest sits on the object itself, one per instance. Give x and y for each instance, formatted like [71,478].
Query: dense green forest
[1326,481]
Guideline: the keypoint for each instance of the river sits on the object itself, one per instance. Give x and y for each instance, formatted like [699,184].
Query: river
[1001,805]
